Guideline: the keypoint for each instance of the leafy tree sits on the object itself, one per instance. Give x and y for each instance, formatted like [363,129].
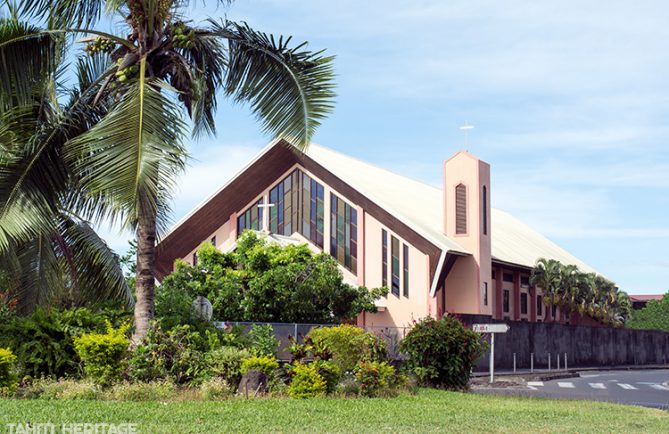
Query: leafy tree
[654,316]
[586,293]
[129,145]
[263,281]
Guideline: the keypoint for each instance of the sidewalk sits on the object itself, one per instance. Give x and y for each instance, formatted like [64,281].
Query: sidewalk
[569,370]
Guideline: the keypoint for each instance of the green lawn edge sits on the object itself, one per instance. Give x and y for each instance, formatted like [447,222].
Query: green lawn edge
[427,411]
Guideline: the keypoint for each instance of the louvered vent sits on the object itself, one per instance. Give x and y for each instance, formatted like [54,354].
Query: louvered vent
[460,209]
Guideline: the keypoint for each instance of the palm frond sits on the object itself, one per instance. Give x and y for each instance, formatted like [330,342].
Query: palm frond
[290,90]
[64,13]
[135,152]
[96,270]
[41,274]
[198,72]
[27,56]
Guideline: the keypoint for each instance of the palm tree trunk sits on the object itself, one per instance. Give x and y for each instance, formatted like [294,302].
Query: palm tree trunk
[145,286]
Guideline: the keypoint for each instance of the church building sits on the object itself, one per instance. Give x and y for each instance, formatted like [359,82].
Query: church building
[438,249]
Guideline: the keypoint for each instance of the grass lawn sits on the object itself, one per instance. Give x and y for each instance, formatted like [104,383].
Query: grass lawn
[428,411]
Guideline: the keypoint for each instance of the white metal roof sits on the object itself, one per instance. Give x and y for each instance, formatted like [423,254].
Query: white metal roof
[420,206]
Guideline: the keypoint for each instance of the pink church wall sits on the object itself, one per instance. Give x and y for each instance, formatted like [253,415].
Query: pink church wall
[400,311]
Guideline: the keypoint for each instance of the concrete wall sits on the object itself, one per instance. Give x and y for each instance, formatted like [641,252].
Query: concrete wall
[584,346]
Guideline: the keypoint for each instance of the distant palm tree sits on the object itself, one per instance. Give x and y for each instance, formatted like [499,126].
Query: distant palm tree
[546,275]
[133,148]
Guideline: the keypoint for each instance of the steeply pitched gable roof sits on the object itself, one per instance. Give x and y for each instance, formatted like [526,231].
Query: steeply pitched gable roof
[405,201]
[421,206]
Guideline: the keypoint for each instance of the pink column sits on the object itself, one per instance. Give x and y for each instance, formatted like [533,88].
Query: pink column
[516,295]
[532,295]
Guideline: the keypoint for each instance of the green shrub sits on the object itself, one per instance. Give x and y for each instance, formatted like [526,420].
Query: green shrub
[441,352]
[226,363]
[348,345]
[262,340]
[175,355]
[306,382]
[330,372]
[216,389]
[151,391]
[262,281]
[8,376]
[374,376]
[43,341]
[102,354]
[264,364]
[7,367]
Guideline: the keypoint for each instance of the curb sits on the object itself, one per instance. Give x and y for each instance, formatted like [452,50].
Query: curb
[572,371]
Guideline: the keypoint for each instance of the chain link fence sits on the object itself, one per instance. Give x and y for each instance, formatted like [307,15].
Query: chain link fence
[391,335]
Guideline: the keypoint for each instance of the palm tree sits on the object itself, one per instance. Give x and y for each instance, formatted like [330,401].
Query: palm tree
[133,146]
[47,247]
[546,275]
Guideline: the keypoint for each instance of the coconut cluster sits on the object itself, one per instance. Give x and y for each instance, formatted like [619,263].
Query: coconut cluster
[99,45]
[182,37]
[124,74]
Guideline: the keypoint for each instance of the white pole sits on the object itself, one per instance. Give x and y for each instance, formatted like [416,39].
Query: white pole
[531,362]
[557,356]
[549,362]
[492,357]
[514,363]
[565,361]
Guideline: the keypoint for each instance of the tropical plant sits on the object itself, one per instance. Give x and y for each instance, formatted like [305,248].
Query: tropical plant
[586,293]
[441,352]
[175,355]
[44,340]
[347,345]
[121,138]
[546,275]
[263,341]
[263,281]
[654,316]
[103,353]
[47,245]
[8,376]
[306,382]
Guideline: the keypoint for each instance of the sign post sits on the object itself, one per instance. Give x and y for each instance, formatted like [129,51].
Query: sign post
[492,329]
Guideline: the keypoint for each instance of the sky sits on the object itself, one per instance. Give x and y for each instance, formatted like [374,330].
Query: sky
[569,102]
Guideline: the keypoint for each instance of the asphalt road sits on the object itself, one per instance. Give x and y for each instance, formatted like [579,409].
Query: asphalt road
[648,388]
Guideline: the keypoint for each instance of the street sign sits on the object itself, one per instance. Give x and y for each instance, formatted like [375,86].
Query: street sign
[491,328]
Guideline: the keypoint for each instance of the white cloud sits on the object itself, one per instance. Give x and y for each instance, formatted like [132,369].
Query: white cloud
[213,167]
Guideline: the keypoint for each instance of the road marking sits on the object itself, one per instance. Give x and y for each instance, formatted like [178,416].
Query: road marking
[597,385]
[627,386]
[535,383]
[566,385]
[659,387]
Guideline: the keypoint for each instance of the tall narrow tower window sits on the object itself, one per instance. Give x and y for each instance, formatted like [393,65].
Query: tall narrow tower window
[460,209]
[485,210]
